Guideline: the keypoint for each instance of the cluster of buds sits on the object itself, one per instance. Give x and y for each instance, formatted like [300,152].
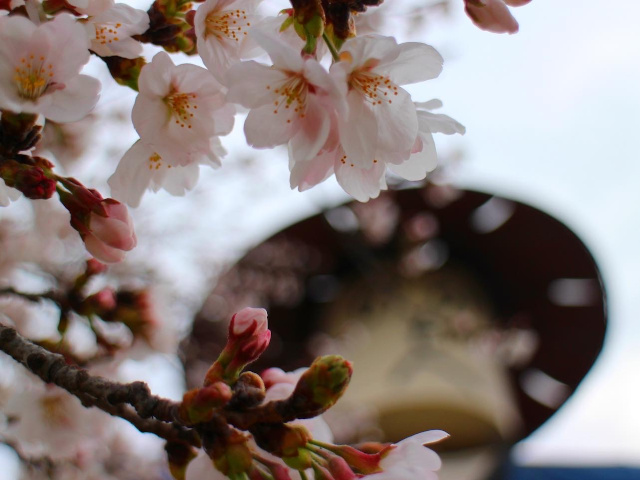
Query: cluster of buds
[241,432]
[333,20]
[104,224]
[128,307]
[30,175]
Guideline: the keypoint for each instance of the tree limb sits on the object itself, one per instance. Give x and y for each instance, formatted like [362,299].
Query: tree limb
[132,401]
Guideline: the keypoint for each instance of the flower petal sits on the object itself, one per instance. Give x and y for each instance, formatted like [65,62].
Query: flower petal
[419,164]
[439,123]
[305,175]
[73,102]
[313,131]
[251,84]
[359,130]
[397,123]
[266,127]
[416,62]
[361,184]
[283,56]
[133,175]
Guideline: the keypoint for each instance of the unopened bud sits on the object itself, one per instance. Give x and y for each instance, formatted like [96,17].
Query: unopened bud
[94,267]
[179,456]
[248,321]
[249,391]
[282,440]
[249,337]
[234,457]
[320,387]
[101,303]
[199,405]
[28,178]
[104,224]
[125,71]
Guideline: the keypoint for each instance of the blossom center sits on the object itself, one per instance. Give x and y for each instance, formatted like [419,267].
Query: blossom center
[32,77]
[376,89]
[181,107]
[231,24]
[291,94]
[107,33]
[155,162]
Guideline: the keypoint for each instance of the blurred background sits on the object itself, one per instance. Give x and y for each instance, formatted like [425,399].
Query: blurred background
[552,115]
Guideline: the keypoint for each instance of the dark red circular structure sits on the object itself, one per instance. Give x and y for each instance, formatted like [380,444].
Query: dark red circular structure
[538,273]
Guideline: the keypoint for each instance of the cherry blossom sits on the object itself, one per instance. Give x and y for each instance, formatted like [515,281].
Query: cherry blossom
[410,459]
[222,31]
[494,15]
[364,182]
[40,65]
[49,421]
[179,110]
[142,168]
[381,125]
[290,102]
[110,31]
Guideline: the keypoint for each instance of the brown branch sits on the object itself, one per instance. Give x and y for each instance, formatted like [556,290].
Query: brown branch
[132,402]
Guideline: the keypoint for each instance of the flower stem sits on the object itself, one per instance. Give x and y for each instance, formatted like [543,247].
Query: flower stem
[332,47]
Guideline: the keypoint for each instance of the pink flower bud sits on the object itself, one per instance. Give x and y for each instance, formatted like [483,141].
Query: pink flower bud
[248,321]
[111,235]
[94,267]
[250,350]
[493,15]
[101,302]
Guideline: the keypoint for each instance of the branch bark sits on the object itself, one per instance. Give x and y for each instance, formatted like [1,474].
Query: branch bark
[132,401]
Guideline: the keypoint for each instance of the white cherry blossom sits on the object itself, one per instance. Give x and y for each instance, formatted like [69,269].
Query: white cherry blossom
[110,31]
[381,125]
[40,66]
[142,168]
[409,459]
[50,422]
[222,28]
[179,110]
[290,101]
[364,182]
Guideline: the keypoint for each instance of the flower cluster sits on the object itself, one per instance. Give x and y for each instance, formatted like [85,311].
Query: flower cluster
[305,80]
[354,119]
[276,408]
